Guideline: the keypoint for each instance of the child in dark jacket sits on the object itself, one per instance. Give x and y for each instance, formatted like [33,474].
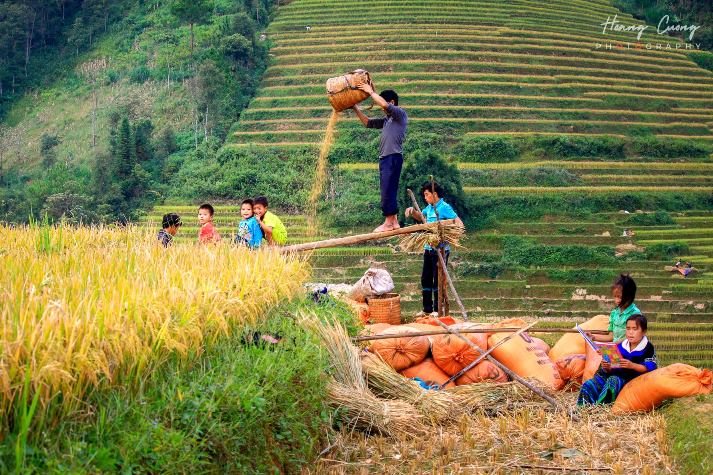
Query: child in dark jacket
[638,357]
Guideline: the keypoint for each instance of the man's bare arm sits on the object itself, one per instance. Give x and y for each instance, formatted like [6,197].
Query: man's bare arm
[374,96]
[362,117]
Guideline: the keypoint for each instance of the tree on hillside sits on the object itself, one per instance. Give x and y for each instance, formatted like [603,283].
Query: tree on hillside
[193,12]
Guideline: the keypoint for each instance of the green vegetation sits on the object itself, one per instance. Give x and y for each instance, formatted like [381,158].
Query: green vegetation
[690,432]
[179,74]
[241,406]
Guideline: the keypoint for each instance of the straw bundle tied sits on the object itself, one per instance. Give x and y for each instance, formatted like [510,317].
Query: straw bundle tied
[348,392]
[415,242]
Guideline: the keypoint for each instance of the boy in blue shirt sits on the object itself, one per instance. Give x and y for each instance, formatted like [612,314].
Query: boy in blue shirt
[249,231]
[429,275]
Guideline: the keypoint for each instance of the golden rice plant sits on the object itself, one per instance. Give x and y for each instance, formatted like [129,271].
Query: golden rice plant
[86,308]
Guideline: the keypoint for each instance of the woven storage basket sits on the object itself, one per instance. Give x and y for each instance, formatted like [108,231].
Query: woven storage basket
[343,91]
[385,309]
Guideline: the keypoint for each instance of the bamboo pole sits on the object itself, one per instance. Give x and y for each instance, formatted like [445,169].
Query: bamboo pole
[474,330]
[358,238]
[443,263]
[485,355]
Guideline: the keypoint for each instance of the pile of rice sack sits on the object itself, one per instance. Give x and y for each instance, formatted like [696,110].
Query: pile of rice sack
[434,359]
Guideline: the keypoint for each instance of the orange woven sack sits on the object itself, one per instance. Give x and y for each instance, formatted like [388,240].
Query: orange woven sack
[483,371]
[452,354]
[571,367]
[591,365]
[429,320]
[429,372]
[647,391]
[541,344]
[573,343]
[401,352]
[526,359]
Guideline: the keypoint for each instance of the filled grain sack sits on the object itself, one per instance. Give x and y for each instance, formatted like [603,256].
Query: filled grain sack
[429,320]
[452,354]
[571,367]
[573,343]
[374,282]
[483,371]
[525,358]
[374,329]
[592,362]
[541,344]
[343,91]
[647,391]
[428,372]
[403,351]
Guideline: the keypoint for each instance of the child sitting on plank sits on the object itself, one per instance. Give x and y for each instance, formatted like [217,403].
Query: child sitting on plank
[207,234]
[249,232]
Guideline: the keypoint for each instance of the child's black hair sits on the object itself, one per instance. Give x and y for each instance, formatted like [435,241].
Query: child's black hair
[208,207]
[640,320]
[390,95]
[260,200]
[436,187]
[171,219]
[248,202]
[628,289]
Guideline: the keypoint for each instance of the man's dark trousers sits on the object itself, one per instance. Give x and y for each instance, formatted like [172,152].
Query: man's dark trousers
[389,175]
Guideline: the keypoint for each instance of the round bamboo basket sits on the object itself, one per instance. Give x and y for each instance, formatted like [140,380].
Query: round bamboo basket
[343,91]
[385,309]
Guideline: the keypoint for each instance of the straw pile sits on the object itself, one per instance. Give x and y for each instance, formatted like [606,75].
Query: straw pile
[414,242]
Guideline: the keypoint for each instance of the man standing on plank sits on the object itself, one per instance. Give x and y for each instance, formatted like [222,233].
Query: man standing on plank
[391,157]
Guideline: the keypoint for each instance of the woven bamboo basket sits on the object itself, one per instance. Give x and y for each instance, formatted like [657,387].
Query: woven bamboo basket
[343,91]
[385,309]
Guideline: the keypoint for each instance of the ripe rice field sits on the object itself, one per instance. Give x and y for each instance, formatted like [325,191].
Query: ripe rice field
[90,309]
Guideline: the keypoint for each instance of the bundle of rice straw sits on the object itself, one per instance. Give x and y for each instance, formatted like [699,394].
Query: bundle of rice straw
[437,406]
[348,392]
[343,355]
[364,411]
[415,242]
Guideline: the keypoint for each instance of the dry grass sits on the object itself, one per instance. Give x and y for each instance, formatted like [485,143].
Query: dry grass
[414,242]
[530,440]
[94,307]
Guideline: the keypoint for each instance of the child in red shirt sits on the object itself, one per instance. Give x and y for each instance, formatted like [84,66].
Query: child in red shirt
[208,234]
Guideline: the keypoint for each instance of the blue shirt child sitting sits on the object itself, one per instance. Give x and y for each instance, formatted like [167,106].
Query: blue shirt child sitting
[249,231]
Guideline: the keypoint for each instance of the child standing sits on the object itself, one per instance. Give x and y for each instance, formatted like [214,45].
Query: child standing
[432,193]
[624,292]
[170,224]
[274,232]
[638,356]
[207,234]
[249,232]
